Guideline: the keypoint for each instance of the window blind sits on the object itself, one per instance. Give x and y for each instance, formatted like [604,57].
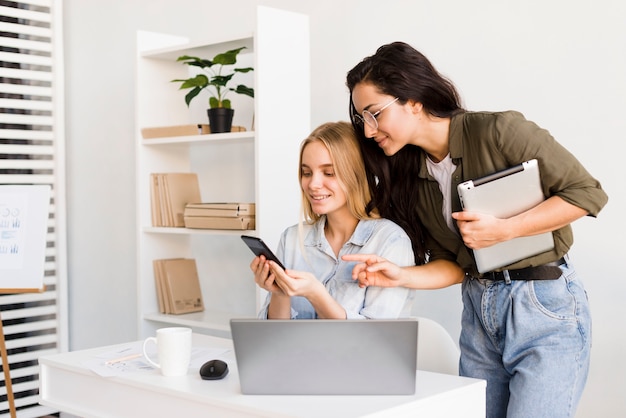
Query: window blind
[31,152]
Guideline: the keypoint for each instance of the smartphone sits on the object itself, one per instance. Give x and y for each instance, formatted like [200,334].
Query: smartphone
[259,247]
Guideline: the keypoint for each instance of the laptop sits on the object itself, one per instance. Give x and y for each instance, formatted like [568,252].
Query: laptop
[326,357]
[504,194]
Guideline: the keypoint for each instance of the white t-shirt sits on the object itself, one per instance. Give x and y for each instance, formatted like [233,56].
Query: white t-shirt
[442,172]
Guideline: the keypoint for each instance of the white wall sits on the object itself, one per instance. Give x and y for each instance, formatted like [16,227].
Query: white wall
[562,63]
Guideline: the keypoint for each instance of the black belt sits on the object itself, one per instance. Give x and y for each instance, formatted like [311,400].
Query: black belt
[548,271]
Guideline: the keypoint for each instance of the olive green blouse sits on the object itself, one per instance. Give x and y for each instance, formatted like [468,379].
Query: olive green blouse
[485,142]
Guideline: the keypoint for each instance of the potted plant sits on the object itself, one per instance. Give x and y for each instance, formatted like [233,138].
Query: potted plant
[216,81]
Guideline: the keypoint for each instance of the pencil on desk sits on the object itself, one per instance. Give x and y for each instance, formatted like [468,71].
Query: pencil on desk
[125,358]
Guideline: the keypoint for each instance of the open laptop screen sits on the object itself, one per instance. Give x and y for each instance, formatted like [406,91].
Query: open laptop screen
[326,357]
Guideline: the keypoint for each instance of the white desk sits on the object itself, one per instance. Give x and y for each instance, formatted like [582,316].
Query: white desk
[67,385]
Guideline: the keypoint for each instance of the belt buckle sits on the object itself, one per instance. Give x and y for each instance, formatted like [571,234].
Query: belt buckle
[499,276]
[495,276]
[487,278]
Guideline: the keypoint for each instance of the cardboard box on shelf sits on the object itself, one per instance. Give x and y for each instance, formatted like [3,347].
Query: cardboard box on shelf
[211,222]
[169,194]
[177,286]
[230,210]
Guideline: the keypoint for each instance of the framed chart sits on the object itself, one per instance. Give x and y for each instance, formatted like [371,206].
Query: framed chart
[23,228]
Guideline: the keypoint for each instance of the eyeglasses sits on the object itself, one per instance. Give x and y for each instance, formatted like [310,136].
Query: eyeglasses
[370,118]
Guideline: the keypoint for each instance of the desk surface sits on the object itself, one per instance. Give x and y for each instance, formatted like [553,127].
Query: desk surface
[68,385]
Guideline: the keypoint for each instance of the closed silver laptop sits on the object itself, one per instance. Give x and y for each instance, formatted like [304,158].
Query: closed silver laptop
[325,357]
[504,194]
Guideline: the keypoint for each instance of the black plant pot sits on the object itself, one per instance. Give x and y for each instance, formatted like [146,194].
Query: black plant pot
[220,119]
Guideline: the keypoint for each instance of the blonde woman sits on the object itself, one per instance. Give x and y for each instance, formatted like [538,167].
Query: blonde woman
[317,282]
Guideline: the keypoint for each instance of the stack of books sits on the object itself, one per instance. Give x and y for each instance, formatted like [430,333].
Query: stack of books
[177,286]
[219,215]
[169,193]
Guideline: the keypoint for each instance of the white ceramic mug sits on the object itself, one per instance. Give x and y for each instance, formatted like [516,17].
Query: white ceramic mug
[173,349]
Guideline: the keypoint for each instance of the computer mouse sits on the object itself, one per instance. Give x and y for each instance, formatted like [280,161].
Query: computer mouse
[214,370]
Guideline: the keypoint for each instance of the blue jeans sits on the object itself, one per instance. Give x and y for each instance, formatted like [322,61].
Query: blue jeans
[530,340]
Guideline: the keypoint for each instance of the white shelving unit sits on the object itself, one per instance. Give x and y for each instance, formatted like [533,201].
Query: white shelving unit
[259,165]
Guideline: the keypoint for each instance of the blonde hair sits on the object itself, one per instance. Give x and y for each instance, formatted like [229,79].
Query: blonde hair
[341,141]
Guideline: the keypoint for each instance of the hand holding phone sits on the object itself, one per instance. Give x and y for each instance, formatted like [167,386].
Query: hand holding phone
[259,247]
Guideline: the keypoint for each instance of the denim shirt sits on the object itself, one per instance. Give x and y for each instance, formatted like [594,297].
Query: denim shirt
[314,254]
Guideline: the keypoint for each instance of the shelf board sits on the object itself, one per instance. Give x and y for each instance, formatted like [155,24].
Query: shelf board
[245,136]
[196,231]
[206,49]
[207,320]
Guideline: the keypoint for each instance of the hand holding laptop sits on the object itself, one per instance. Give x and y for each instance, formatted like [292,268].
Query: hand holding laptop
[492,200]
[480,230]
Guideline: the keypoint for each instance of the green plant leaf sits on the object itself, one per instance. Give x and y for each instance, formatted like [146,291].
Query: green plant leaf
[195,61]
[214,81]
[193,93]
[199,80]
[228,57]
[221,80]
[214,103]
[241,89]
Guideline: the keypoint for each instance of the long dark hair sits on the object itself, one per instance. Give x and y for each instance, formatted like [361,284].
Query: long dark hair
[399,70]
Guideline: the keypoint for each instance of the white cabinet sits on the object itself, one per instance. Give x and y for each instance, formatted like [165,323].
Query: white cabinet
[259,165]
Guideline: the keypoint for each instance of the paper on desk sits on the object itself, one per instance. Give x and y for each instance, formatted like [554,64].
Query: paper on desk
[98,364]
